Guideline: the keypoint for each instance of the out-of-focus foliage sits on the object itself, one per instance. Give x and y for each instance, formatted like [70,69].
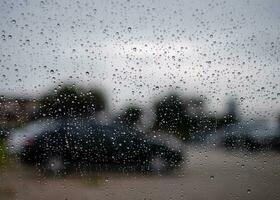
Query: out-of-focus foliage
[171,114]
[187,117]
[69,101]
[130,116]
[182,116]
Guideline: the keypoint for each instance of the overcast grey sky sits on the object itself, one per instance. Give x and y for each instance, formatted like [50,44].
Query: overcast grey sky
[138,49]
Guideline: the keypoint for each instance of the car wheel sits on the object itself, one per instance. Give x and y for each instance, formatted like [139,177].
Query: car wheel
[158,164]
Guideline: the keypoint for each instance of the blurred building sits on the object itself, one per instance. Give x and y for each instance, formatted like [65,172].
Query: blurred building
[16,110]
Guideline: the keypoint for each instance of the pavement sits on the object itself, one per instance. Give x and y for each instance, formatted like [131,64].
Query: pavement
[208,173]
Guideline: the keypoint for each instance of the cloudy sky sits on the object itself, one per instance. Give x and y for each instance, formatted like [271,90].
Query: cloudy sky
[137,50]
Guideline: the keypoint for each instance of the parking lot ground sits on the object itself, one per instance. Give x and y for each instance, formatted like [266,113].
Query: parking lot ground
[209,173]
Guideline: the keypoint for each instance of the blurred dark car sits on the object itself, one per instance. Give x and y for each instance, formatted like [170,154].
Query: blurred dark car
[85,144]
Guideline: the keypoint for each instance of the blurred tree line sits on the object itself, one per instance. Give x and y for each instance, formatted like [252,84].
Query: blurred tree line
[71,101]
[174,114]
[181,116]
[187,117]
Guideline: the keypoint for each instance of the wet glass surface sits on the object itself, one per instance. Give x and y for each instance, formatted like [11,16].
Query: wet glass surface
[139,99]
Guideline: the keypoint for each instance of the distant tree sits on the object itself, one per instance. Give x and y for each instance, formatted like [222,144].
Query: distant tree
[130,116]
[170,112]
[172,116]
[93,101]
[69,100]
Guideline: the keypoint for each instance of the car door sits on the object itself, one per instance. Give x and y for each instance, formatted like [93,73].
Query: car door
[129,147]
